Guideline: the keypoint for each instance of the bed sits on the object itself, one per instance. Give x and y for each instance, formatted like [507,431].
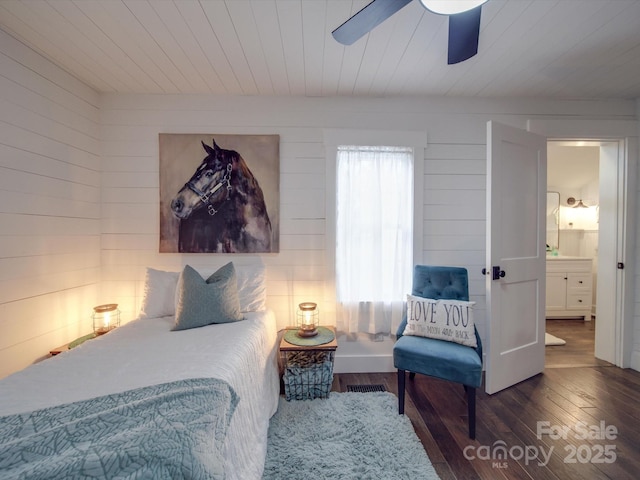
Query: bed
[145,360]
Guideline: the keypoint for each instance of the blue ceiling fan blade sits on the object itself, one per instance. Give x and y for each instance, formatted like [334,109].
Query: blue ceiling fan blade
[464,28]
[464,31]
[366,19]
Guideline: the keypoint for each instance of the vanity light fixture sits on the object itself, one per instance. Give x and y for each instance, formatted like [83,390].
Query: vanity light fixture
[571,201]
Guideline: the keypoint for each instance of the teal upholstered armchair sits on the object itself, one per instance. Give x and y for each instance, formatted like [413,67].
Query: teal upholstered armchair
[439,358]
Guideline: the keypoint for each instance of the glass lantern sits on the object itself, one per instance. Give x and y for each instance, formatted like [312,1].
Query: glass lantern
[307,318]
[105,318]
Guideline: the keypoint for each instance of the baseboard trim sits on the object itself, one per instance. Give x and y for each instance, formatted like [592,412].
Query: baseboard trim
[635,360]
[363,363]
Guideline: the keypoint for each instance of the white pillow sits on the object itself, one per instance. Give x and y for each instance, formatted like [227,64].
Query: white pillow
[159,294]
[450,320]
[252,287]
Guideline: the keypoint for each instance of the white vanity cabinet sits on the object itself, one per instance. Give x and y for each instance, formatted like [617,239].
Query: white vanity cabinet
[569,287]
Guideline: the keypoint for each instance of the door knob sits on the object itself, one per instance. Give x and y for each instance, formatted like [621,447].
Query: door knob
[497,273]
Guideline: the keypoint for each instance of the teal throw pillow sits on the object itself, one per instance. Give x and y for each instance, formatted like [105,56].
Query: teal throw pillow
[201,302]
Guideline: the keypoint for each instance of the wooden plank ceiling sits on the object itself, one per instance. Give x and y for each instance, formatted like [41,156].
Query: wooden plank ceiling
[528,48]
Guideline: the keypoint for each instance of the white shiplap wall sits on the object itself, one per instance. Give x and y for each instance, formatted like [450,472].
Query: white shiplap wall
[454,183]
[49,206]
[79,184]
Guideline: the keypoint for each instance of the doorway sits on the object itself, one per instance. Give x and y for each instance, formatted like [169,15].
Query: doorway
[577,173]
[509,240]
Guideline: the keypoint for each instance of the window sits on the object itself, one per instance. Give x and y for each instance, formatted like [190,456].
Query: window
[374,236]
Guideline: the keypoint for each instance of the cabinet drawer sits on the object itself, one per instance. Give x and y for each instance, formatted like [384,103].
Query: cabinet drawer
[578,280]
[579,301]
[561,265]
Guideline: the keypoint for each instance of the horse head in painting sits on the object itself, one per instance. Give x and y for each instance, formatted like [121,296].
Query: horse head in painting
[221,208]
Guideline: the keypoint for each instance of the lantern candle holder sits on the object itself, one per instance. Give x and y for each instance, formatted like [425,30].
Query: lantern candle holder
[105,318]
[307,319]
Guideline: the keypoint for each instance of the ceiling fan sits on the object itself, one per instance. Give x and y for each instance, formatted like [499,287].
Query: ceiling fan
[464,23]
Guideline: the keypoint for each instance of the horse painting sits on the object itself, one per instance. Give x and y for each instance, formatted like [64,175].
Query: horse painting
[221,208]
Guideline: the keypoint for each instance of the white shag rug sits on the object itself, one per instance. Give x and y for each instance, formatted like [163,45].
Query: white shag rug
[550,340]
[346,436]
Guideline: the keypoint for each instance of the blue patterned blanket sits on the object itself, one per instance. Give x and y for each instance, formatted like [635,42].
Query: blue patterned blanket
[168,431]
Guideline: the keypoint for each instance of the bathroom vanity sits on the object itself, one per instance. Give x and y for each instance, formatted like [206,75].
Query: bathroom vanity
[569,287]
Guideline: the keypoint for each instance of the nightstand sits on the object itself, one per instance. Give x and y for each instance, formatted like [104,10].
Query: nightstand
[60,349]
[70,345]
[308,368]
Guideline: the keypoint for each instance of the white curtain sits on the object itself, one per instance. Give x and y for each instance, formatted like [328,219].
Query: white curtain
[374,236]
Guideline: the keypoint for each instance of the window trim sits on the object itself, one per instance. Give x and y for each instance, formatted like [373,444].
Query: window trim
[335,137]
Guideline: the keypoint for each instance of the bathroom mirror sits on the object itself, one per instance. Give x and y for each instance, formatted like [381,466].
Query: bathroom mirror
[553,221]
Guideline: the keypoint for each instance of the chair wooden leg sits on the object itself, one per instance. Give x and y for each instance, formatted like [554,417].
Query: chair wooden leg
[471,404]
[401,380]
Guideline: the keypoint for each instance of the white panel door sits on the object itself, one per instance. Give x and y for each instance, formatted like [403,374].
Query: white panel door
[515,281]
[611,222]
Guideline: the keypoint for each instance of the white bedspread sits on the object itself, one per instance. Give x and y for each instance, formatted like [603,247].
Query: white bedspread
[145,352]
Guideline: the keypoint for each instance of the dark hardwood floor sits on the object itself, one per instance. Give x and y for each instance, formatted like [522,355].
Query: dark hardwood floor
[579,350]
[580,417]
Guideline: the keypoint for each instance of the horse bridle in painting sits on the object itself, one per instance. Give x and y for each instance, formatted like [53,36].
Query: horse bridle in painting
[205,196]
